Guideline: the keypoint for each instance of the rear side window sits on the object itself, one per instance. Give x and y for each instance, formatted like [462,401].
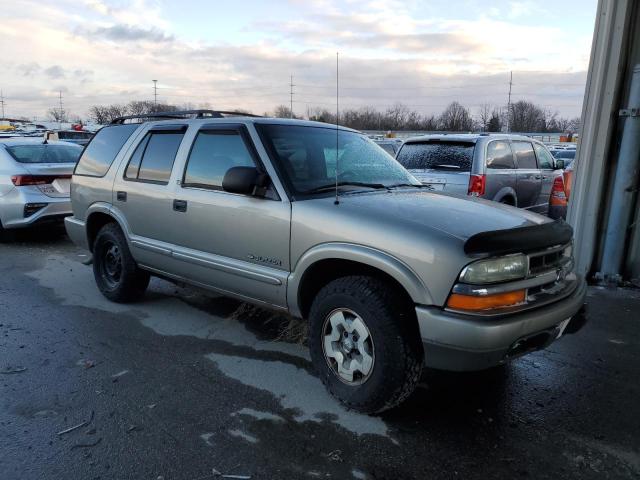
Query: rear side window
[545,160]
[152,160]
[45,153]
[213,153]
[499,155]
[524,154]
[103,149]
[437,155]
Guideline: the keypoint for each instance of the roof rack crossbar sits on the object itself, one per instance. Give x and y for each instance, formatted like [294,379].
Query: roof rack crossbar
[179,114]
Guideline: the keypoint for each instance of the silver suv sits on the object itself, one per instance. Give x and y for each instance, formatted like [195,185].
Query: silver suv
[511,169]
[390,275]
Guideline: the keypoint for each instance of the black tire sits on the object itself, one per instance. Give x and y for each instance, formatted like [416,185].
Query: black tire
[116,272]
[5,235]
[396,346]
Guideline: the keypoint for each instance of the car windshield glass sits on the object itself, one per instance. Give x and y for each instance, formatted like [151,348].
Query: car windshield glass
[45,153]
[565,154]
[306,158]
[437,155]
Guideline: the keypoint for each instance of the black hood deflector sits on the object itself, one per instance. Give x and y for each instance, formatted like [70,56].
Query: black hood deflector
[520,239]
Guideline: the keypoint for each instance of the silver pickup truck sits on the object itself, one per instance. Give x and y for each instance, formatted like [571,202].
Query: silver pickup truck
[319,222]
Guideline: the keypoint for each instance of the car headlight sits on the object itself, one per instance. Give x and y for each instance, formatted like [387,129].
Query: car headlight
[494,270]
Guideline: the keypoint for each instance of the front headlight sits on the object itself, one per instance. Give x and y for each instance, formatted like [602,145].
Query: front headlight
[494,270]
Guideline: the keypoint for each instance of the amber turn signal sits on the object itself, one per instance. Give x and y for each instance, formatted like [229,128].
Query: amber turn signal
[473,303]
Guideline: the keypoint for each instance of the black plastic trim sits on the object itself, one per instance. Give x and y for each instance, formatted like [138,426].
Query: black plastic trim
[520,239]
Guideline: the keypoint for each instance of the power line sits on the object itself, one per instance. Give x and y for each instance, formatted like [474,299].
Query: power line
[509,102]
[155,92]
[61,115]
[291,85]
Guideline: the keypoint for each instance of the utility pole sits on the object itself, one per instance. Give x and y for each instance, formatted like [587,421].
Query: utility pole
[2,103]
[291,85]
[509,102]
[61,110]
[155,94]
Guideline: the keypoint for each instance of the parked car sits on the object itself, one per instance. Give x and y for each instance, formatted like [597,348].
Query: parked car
[34,182]
[390,145]
[510,169]
[390,275]
[567,156]
[80,137]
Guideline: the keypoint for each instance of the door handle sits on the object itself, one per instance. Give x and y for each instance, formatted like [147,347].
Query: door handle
[121,196]
[537,177]
[180,205]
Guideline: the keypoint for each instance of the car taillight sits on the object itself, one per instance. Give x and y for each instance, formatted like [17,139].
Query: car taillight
[568,179]
[24,180]
[558,196]
[476,185]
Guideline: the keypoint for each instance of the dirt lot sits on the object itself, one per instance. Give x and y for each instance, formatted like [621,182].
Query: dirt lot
[185,385]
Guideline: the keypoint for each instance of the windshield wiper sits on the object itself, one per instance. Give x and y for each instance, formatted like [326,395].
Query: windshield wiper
[421,185]
[328,187]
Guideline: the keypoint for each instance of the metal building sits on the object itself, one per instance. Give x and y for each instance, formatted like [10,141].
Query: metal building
[604,208]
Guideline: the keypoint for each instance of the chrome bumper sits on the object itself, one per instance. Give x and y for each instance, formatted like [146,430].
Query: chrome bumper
[454,341]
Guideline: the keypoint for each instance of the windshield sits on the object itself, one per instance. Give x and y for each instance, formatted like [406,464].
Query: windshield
[437,155]
[306,158]
[565,154]
[45,153]
[74,135]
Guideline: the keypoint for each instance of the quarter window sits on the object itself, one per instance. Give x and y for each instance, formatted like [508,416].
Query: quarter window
[525,155]
[499,155]
[213,153]
[545,160]
[103,149]
[152,160]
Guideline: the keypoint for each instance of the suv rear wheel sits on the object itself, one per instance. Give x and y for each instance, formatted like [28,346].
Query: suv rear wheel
[364,344]
[116,272]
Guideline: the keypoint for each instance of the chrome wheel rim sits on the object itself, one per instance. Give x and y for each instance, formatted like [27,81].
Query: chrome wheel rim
[112,265]
[348,346]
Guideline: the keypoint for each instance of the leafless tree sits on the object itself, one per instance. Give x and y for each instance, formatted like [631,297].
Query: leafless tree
[485,113]
[57,114]
[456,118]
[525,116]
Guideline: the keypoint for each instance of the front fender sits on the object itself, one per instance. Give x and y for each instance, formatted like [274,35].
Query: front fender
[371,257]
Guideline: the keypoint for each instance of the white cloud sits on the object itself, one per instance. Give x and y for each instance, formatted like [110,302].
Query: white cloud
[103,54]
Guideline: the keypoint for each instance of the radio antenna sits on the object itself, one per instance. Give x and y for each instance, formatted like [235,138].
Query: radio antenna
[336,201]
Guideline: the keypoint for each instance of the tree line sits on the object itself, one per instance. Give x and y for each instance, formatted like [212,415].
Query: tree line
[522,116]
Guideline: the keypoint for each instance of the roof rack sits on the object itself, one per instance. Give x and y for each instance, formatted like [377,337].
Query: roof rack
[179,114]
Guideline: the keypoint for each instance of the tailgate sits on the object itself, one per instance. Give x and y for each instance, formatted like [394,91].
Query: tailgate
[439,180]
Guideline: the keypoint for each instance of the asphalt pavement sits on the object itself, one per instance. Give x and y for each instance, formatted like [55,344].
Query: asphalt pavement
[185,385]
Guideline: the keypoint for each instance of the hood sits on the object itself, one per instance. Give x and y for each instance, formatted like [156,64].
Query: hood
[455,216]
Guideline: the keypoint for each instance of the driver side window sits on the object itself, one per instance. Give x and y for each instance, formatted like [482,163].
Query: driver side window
[545,160]
[213,153]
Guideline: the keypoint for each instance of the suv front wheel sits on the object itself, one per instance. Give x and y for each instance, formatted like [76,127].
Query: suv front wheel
[116,272]
[364,344]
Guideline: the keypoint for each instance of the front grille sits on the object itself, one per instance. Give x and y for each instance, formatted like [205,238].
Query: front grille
[553,258]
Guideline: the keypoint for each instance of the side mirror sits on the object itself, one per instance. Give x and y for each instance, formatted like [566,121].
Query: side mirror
[244,180]
[560,164]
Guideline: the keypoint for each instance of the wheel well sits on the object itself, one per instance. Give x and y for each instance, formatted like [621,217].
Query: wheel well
[508,200]
[94,223]
[325,271]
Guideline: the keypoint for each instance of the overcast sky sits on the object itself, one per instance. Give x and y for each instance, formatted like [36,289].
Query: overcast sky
[240,54]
